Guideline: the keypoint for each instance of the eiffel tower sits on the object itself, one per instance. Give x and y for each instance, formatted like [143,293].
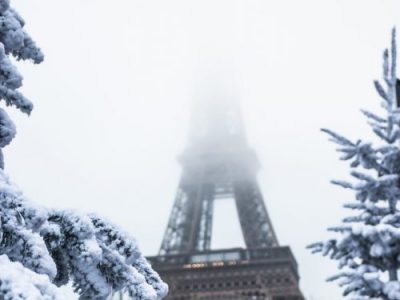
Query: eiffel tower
[219,164]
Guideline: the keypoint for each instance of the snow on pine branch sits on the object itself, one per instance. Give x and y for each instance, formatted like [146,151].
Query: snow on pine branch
[14,41]
[96,256]
[42,249]
[19,283]
[367,243]
[360,153]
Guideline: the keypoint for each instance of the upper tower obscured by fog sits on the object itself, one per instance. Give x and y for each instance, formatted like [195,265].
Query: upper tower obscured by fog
[216,119]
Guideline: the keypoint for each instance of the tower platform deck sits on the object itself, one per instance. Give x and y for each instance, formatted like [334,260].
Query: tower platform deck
[257,274]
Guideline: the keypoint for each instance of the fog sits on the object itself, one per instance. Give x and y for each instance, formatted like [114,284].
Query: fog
[113,102]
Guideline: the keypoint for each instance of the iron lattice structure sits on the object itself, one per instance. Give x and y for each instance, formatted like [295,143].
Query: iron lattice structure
[219,164]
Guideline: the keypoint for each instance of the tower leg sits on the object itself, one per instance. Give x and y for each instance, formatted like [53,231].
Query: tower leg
[254,220]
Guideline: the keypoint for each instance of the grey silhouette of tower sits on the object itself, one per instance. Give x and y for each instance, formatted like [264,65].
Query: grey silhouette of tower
[219,164]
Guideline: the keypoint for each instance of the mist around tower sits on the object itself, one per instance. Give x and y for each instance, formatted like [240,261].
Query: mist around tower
[182,150]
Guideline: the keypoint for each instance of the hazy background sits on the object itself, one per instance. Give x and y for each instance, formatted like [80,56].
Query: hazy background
[112,106]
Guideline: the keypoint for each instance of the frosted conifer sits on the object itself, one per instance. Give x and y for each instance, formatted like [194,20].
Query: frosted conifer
[367,248]
[42,249]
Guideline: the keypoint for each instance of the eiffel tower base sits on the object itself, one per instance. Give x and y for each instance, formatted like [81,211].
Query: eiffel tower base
[234,274]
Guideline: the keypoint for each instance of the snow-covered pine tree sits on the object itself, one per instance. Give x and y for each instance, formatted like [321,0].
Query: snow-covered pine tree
[42,249]
[368,246]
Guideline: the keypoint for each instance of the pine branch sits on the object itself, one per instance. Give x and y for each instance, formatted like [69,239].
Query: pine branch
[381,91]
[338,139]
[373,116]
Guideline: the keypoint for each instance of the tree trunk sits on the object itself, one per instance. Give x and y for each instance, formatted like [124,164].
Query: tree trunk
[393,274]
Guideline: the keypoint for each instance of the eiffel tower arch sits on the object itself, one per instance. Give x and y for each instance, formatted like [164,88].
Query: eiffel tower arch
[219,164]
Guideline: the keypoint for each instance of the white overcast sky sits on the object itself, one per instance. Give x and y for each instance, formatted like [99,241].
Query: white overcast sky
[112,105]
